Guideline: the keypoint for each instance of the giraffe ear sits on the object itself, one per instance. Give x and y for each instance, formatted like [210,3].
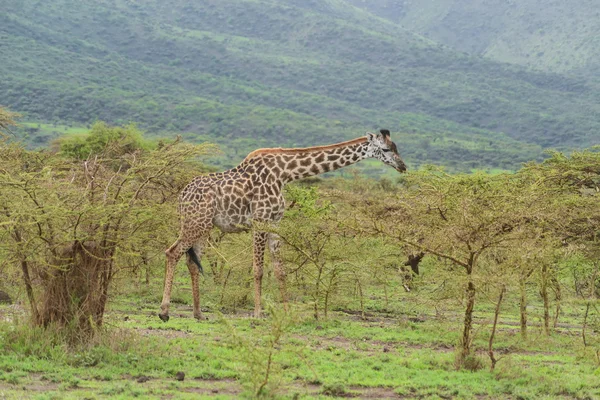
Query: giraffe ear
[370,136]
[385,133]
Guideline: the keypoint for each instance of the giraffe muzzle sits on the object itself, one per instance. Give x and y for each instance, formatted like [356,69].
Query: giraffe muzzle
[401,167]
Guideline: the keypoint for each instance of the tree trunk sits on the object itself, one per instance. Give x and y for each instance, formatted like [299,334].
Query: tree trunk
[76,293]
[591,296]
[466,338]
[27,279]
[385,293]
[585,318]
[146,264]
[217,271]
[29,289]
[328,290]
[523,308]
[217,265]
[318,292]
[544,294]
[558,298]
[362,302]
[224,286]
[493,334]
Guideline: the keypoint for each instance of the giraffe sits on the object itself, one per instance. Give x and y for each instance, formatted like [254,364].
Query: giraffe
[252,191]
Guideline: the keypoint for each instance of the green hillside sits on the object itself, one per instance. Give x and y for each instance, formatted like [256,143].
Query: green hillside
[554,36]
[269,73]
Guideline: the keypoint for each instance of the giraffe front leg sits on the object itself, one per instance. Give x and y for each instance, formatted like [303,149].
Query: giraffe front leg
[260,240]
[274,247]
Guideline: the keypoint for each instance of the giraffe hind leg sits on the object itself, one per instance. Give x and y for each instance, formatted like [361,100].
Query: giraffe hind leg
[197,215]
[194,259]
[173,254]
[195,275]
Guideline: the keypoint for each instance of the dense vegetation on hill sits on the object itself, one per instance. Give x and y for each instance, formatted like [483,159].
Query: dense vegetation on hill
[554,36]
[271,73]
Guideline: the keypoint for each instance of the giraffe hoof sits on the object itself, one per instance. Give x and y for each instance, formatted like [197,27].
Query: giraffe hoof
[200,317]
[163,317]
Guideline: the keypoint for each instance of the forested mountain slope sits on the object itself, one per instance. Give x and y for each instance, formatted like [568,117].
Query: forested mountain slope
[250,73]
[550,35]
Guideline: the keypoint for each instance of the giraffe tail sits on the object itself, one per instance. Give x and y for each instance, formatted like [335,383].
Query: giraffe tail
[195,259]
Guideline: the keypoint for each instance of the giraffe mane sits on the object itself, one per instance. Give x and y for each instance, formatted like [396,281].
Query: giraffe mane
[280,150]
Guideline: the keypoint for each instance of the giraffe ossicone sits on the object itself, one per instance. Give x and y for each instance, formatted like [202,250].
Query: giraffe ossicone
[253,191]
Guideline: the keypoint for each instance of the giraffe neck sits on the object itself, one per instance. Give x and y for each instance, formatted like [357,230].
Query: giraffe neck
[291,164]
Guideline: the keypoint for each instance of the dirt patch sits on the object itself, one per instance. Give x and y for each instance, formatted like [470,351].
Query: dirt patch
[388,318]
[374,392]
[214,387]
[441,347]
[212,391]
[34,385]
[331,343]
[231,387]
[10,313]
[166,333]
[41,387]
[371,347]
[354,391]
[368,346]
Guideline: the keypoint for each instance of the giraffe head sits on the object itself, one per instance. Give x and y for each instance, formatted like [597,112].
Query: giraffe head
[382,148]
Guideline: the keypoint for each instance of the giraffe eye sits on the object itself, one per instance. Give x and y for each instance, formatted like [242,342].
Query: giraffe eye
[386,150]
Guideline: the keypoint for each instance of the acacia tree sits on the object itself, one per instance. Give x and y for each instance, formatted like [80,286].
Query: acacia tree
[327,258]
[536,256]
[573,184]
[311,243]
[68,223]
[462,219]
[7,118]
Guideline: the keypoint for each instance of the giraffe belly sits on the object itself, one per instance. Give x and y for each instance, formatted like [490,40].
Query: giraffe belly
[231,224]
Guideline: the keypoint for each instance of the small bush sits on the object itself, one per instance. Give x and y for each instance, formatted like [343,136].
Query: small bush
[90,357]
[334,389]
[472,363]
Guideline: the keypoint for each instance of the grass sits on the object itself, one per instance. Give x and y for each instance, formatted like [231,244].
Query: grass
[40,134]
[408,351]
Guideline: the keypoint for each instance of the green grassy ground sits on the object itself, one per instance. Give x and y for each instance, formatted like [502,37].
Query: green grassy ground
[402,350]
[38,134]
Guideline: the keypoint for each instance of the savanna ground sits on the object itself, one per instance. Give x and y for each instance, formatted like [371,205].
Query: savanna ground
[402,347]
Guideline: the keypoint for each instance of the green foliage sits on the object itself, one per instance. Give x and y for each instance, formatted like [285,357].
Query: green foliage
[493,232]
[578,172]
[260,372]
[306,202]
[559,39]
[248,74]
[326,253]
[70,223]
[7,118]
[102,138]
